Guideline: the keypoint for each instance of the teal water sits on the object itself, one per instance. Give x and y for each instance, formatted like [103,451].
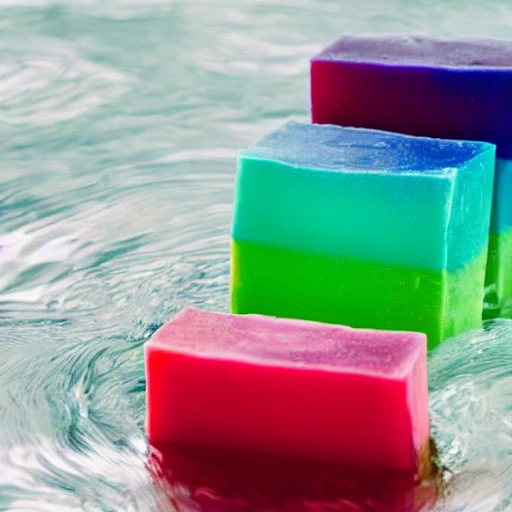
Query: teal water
[119,122]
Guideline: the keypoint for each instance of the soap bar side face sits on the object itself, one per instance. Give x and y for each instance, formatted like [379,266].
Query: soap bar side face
[502,212]
[281,411]
[498,297]
[415,100]
[417,389]
[378,217]
[471,205]
[297,284]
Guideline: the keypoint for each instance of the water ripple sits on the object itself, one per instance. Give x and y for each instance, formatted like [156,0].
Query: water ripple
[471,410]
[43,90]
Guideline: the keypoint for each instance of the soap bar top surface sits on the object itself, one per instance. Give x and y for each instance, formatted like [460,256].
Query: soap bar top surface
[330,147]
[265,340]
[421,51]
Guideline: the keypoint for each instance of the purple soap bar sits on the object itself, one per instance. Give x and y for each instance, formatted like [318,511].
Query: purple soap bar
[418,86]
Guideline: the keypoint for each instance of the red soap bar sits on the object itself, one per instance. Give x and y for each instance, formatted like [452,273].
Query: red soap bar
[289,387]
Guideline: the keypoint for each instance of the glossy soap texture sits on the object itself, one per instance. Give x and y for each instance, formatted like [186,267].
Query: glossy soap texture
[435,88]
[364,228]
[289,388]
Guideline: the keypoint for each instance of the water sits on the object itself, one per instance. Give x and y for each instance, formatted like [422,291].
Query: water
[119,122]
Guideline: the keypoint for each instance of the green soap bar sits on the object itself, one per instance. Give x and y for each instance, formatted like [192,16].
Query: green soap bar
[333,289]
[498,297]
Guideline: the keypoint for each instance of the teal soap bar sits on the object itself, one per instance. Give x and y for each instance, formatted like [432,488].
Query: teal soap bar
[368,194]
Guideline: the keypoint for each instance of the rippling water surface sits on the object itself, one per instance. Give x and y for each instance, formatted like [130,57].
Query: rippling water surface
[119,122]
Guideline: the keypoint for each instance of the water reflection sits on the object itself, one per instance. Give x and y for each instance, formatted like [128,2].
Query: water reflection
[214,480]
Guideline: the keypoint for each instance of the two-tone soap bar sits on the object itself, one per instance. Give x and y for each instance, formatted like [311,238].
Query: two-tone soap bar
[419,86]
[363,228]
[289,388]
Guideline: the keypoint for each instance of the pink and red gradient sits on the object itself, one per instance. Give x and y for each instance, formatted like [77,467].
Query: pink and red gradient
[289,388]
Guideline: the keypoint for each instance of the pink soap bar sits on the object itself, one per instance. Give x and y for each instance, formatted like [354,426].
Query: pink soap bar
[289,387]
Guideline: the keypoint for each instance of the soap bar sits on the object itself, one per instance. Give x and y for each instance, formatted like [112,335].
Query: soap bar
[290,388]
[363,228]
[434,88]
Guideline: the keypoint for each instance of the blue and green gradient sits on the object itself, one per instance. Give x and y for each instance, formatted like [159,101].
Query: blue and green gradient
[363,228]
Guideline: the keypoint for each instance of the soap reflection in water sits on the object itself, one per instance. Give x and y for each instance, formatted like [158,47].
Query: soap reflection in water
[215,480]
